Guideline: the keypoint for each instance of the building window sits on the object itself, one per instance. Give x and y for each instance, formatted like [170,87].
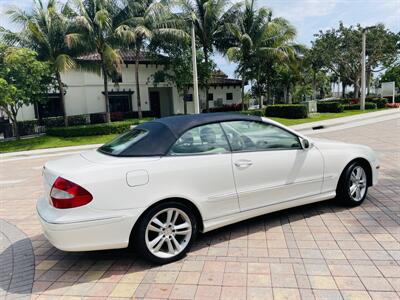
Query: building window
[119,103]
[52,107]
[210,97]
[229,96]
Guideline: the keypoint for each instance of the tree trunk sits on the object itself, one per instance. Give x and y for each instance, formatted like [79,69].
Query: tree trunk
[13,117]
[105,81]
[205,51]
[139,103]
[185,92]
[260,100]
[343,90]
[62,97]
[242,93]
[368,81]
[314,85]
[356,88]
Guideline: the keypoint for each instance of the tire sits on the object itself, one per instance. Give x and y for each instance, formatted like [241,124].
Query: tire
[352,188]
[150,234]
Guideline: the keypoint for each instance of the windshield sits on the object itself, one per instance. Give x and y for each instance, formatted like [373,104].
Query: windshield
[121,143]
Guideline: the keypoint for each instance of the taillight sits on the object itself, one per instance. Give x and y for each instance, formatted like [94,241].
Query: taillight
[66,194]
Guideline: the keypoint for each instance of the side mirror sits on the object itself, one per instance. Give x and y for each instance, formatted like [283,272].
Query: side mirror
[305,144]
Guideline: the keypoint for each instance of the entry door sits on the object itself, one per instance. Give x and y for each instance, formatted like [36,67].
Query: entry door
[155,105]
[270,165]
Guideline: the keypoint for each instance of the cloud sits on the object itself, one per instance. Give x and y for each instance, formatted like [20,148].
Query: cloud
[6,5]
[300,9]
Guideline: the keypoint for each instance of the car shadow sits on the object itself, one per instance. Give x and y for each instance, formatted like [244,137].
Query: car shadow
[112,265]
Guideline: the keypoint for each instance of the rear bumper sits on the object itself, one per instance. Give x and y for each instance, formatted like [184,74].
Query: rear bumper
[72,232]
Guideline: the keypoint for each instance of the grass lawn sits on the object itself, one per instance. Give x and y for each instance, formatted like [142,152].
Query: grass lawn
[45,141]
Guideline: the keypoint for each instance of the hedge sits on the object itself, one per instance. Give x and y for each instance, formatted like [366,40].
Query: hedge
[227,107]
[396,99]
[94,129]
[53,122]
[368,105]
[329,107]
[77,120]
[27,127]
[380,102]
[254,112]
[289,111]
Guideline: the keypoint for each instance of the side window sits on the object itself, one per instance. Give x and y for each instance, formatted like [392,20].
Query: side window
[206,139]
[256,136]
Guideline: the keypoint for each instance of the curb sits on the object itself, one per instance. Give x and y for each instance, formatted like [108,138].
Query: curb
[344,120]
[40,152]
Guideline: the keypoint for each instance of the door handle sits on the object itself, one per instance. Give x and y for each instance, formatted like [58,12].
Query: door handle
[243,163]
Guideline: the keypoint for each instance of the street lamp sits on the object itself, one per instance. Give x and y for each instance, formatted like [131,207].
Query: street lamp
[363,62]
[194,63]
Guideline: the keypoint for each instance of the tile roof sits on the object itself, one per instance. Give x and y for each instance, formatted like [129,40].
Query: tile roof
[128,56]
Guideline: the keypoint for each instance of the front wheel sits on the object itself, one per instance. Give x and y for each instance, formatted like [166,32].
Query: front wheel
[166,232]
[353,185]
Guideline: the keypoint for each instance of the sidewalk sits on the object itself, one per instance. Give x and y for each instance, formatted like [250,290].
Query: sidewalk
[345,120]
[306,128]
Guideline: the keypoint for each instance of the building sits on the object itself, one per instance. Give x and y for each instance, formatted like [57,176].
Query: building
[85,92]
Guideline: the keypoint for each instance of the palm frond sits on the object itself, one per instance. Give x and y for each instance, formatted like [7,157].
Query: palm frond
[64,63]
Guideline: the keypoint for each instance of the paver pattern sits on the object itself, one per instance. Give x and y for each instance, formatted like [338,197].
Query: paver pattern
[318,251]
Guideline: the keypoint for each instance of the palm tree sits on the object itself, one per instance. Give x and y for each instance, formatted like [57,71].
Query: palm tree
[44,30]
[143,21]
[257,42]
[94,31]
[210,18]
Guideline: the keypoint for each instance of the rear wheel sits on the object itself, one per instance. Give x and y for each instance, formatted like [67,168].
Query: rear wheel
[353,185]
[166,232]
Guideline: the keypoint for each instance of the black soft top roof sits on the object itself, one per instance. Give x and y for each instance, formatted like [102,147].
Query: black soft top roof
[163,132]
[180,124]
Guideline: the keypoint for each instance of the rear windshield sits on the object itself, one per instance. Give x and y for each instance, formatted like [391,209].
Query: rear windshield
[123,142]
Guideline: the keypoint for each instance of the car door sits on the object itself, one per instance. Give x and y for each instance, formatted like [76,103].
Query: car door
[200,169]
[270,166]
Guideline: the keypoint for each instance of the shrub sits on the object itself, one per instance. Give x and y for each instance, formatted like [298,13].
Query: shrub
[94,129]
[97,118]
[117,116]
[393,105]
[380,102]
[254,112]
[53,122]
[368,105]
[343,101]
[27,127]
[134,114]
[77,120]
[329,107]
[290,111]
[390,99]
[227,107]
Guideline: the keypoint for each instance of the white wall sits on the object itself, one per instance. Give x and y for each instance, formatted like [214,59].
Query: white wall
[218,92]
[84,92]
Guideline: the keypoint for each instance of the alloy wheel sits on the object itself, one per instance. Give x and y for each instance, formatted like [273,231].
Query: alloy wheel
[357,183]
[168,233]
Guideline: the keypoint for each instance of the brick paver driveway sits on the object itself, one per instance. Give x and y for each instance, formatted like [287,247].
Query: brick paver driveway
[318,251]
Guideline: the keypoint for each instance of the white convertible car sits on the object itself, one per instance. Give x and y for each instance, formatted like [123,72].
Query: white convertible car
[158,185]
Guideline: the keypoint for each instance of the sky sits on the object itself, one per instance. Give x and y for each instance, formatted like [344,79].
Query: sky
[308,16]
